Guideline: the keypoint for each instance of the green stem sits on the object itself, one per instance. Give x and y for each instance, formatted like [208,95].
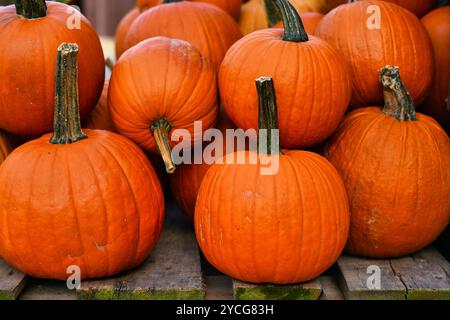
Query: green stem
[160,129]
[267,116]
[66,126]
[171,1]
[293,25]
[272,12]
[31,9]
[398,103]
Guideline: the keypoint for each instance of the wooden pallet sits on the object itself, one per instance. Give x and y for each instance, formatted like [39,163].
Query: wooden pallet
[421,276]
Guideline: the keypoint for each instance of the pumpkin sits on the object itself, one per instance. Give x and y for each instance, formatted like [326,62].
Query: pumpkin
[288,226]
[27,68]
[260,14]
[437,23]
[310,21]
[205,26]
[186,180]
[5,147]
[395,164]
[146,4]
[418,7]
[72,198]
[122,31]
[232,7]
[400,39]
[149,107]
[99,118]
[313,90]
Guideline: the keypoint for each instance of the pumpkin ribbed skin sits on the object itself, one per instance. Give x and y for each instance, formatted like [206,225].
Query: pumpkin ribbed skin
[122,31]
[310,21]
[5,147]
[418,7]
[397,176]
[96,203]
[401,41]
[437,23]
[312,84]
[205,26]
[283,228]
[28,66]
[253,17]
[99,118]
[232,7]
[181,88]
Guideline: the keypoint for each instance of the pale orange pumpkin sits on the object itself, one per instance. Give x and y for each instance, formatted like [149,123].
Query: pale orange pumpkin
[5,147]
[100,118]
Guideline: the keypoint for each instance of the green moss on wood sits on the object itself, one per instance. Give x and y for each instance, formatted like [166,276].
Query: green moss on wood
[276,293]
[424,294]
[7,296]
[113,294]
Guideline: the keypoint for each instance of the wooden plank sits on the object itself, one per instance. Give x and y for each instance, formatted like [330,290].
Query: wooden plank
[423,276]
[306,291]
[219,288]
[353,278]
[12,281]
[47,290]
[330,289]
[172,271]
[434,257]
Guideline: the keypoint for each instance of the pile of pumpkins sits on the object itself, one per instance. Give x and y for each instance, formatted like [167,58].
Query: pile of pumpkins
[341,78]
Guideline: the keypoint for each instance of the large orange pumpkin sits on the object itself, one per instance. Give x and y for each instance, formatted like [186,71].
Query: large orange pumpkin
[5,147]
[395,164]
[368,44]
[313,86]
[99,118]
[288,226]
[28,42]
[180,88]
[205,26]
[186,180]
[437,23]
[90,200]
[418,7]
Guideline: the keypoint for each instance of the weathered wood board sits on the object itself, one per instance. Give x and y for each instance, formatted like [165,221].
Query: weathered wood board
[424,276]
[305,291]
[12,281]
[330,289]
[172,271]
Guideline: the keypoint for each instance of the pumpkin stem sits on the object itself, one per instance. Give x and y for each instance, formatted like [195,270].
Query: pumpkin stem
[171,1]
[66,126]
[267,116]
[398,103]
[31,9]
[160,129]
[293,25]
[272,12]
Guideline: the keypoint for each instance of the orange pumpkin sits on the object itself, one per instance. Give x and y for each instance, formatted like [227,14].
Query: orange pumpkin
[205,26]
[310,21]
[288,226]
[186,180]
[99,118]
[395,164]
[5,147]
[28,63]
[418,7]
[90,200]
[313,86]
[146,4]
[148,107]
[437,23]
[398,38]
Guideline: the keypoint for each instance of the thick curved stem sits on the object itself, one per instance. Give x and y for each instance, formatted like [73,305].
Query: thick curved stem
[160,129]
[66,125]
[272,12]
[293,25]
[398,103]
[31,9]
[268,140]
